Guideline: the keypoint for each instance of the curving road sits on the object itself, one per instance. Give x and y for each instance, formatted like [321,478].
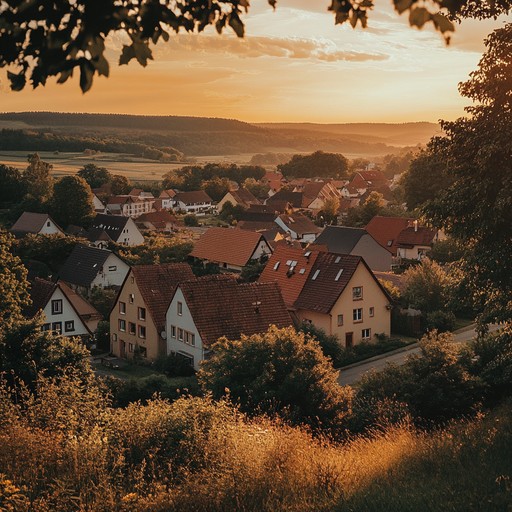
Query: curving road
[352,374]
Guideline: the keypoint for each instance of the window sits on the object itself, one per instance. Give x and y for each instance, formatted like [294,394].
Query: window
[366,334]
[132,279]
[315,275]
[57,327]
[112,268]
[338,275]
[142,313]
[142,331]
[69,326]
[357,315]
[180,334]
[57,307]
[131,298]
[45,327]
[173,331]
[372,311]
[122,325]
[357,293]
[130,347]
[122,308]
[180,308]
[114,337]
[340,320]
[190,338]
[131,327]
[48,224]
[276,266]
[143,352]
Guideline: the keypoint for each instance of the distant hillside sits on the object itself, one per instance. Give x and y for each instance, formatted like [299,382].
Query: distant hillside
[401,134]
[200,136]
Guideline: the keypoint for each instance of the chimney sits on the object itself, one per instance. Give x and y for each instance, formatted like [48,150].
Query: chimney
[415,226]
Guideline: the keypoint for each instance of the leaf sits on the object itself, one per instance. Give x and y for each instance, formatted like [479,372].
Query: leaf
[96,47]
[403,5]
[101,65]
[236,24]
[127,54]
[419,16]
[86,75]
[142,52]
[341,17]
[442,23]
[18,81]
[64,75]
[272,3]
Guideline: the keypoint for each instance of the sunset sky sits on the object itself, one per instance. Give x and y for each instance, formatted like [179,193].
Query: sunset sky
[293,65]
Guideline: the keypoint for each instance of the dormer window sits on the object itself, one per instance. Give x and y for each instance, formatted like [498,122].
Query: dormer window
[315,275]
[338,275]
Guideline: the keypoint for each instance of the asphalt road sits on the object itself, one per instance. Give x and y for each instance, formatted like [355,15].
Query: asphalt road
[352,375]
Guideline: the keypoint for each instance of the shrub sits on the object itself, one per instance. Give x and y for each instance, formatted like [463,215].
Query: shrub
[329,344]
[191,220]
[174,365]
[442,321]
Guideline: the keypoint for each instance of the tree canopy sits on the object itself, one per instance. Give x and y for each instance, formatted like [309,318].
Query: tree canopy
[319,163]
[42,40]
[476,209]
[72,201]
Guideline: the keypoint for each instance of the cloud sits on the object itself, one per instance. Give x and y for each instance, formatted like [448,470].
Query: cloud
[251,47]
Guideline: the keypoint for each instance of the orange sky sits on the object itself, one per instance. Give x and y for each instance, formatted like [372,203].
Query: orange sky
[293,65]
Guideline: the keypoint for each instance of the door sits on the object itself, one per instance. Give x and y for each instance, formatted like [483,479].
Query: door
[123,349]
[349,339]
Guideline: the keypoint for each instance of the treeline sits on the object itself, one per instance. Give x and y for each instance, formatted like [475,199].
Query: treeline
[24,140]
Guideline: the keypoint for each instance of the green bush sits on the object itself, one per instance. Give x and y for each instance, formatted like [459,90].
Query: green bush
[442,321]
[191,220]
[174,365]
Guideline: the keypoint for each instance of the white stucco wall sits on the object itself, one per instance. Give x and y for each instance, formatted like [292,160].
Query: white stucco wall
[50,228]
[68,314]
[106,277]
[130,235]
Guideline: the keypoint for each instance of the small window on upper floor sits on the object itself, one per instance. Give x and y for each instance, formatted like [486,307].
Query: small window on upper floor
[357,292]
[180,308]
[48,224]
[57,307]
[131,298]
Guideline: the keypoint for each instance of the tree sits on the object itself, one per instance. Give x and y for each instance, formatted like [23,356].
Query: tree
[103,299]
[426,286]
[476,209]
[120,184]
[216,188]
[37,179]
[279,371]
[12,187]
[319,163]
[72,201]
[95,176]
[13,283]
[426,177]
[257,189]
[361,215]
[72,35]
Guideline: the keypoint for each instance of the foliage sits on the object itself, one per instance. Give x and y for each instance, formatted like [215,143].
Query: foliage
[156,250]
[397,164]
[281,372]
[174,365]
[427,176]
[476,209]
[319,163]
[330,344]
[360,215]
[252,271]
[329,212]
[367,349]
[102,299]
[426,286]
[95,176]
[257,189]
[72,202]
[231,214]
[53,250]
[216,188]
[12,187]
[446,251]
[357,164]
[102,336]
[191,220]
[75,39]
[37,179]
[26,352]
[13,283]
[120,185]
[435,385]
[392,290]
[441,321]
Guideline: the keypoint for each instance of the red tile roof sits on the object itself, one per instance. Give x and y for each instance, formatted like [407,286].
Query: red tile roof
[278,270]
[244,197]
[195,196]
[158,219]
[226,245]
[299,223]
[165,194]
[40,293]
[386,230]
[410,237]
[222,307]
[157,284]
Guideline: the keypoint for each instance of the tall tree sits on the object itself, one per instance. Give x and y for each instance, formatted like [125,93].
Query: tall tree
[37,179]
[14,294]
[72,201]
[12,188]
[319,163]
[94,175]
[476,210]
[120,184]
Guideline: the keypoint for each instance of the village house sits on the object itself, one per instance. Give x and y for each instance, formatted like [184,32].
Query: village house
[63,311]
[231,249]
[335,292]
[415,242]
[166,198]
[386,231]
[130,206]
[161,221]
[357,242]
[210,307]
[137,318]
[315,193]
[99,207]
[197,201]
[87,267]
[298,227]
[121,230]
[241,197]
[274,180]
[35,224]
